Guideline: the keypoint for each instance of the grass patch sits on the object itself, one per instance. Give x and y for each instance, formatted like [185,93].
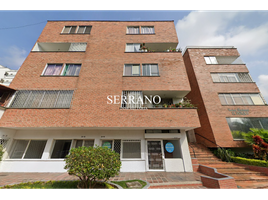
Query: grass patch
[123,183]
[53,185]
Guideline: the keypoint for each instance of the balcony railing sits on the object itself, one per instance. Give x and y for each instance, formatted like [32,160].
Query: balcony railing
[152,47]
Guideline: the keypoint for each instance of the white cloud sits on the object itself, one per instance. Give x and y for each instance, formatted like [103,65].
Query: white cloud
[263,85]
[13,57]
[220,29]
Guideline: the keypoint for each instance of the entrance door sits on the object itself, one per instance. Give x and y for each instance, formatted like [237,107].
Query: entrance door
[155,155]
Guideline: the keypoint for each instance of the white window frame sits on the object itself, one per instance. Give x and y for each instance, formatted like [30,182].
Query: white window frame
[150,64]
[74,142]
[241,96]
[25,150]
[133,47]
[133,33]
[69,30]
[147,33]
[132,70]
[53,146]
[85,27]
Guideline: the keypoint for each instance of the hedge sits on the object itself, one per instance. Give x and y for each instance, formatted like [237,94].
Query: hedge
[246,161]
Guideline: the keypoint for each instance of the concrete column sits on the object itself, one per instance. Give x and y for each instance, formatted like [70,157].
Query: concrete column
[185,153]
[47,149]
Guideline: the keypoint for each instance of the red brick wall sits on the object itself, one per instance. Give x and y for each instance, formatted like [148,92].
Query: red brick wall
[102,75]
[204,93]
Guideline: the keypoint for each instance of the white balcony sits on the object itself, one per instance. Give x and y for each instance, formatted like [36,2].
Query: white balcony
[44,47]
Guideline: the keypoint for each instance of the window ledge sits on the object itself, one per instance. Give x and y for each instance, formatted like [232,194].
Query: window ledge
[75,33]
[140,34]
[35,108]
[132,159]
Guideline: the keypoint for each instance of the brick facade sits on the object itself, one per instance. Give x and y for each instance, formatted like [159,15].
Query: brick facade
[204,93]
[102,75]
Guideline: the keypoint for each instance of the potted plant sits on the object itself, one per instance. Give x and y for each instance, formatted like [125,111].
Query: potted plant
[165,105]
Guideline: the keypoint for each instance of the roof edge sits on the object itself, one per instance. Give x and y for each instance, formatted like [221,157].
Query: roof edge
[110,20]
[208,47]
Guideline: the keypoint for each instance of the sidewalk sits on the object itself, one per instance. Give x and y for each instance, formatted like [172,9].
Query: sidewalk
[157,180]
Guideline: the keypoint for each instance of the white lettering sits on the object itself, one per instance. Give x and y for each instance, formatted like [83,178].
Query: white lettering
[111,101]
[159,98]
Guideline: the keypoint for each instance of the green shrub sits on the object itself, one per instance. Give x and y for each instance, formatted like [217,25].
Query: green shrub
[223,154]
[91,164]
[246,161]
[1,152]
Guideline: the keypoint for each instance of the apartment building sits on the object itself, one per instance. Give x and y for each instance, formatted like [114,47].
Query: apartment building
[228,100]
[6,75]
[100,83]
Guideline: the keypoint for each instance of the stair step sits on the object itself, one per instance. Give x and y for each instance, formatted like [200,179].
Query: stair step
[252,184]
[239,171]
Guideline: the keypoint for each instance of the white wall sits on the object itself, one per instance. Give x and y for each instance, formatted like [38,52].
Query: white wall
[45,164]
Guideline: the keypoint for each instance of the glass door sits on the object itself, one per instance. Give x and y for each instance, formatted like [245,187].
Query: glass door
[155,155]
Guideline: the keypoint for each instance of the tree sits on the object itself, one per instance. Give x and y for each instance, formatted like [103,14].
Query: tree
[91,164]
[258,139]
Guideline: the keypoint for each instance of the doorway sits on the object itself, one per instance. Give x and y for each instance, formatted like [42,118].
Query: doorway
[155,155]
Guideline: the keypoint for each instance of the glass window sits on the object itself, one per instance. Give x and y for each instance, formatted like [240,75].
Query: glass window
[150,70]
[108,144]
[52,69]
[28,149]
[35,149]
[257,100]
[42,99]
[211,60]
[72,70]
[61,148]
[132,70]
[172,149]
[133,47]
[147,30]
[133,30]
[69,29]
[238,99]
[85,143]
[84,29]
[239,125]
[131,149]
[222,99]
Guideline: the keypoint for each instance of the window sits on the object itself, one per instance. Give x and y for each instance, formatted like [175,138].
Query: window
[239,125]
[72,70]
[142,30]
[131,149]
[150,70]
[132,99]
[241,99]
[211,60]
[42,99]
[174,152]
[84,29]
[80,30]
[114,145]
[231,77]
[28,149]
[147,30]
[62,70]
[69,29]
[53,69]
[132,70]
[84,143]
[133,30]
[133,47]
[61,148]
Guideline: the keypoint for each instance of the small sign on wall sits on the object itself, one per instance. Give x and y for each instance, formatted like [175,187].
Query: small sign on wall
[239,111]
[169,147]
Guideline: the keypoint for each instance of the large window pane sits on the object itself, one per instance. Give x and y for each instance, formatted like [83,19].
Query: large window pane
[35,149]
[238,99]
[53,69]
[72,70]
[19,148]
[128,70]
[229,99]
[133,30]
[61,148]
[257,100]
[136,70]
[172,149]
[154,70]
[147,30]
[222,99]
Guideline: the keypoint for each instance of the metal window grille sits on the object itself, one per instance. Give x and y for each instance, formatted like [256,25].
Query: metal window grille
[78,47]
[131,149]
[42,99]
[117,146]
[244,77]
[132,99]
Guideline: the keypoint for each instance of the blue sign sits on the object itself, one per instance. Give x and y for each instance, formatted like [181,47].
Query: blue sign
[169,147]
[107,144]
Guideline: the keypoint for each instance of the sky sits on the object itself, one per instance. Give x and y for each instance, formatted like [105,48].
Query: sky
[245,30]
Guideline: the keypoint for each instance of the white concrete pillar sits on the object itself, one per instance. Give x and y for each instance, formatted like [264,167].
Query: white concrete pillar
[47,149]
[187,161]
